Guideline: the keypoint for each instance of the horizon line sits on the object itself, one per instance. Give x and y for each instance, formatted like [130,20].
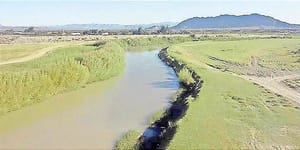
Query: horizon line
[175,22]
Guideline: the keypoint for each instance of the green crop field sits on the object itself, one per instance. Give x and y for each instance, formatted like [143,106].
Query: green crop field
[232,113]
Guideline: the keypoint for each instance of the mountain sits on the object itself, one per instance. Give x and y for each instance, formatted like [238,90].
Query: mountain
[233,21]
[90,26]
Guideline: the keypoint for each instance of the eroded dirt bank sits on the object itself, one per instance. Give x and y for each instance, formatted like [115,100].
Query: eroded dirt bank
[159,134]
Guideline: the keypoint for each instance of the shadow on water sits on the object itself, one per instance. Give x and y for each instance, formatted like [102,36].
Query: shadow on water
[159,133]
[168,84]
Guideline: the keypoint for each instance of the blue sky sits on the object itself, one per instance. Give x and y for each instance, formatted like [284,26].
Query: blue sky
[57,12]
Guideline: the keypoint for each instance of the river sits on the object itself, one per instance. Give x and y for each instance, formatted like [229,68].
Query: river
[96,116]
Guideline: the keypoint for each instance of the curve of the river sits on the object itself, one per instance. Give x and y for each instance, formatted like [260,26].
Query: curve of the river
[94,117]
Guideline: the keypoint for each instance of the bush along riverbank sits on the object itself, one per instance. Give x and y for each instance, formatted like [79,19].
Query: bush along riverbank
[159,133]
[63,70]
[146,43]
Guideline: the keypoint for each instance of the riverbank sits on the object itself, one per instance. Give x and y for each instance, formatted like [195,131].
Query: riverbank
[94,117]
[67,68]
[53,105]
[161,131]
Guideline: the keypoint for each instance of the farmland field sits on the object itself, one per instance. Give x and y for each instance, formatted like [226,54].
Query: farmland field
[230,111]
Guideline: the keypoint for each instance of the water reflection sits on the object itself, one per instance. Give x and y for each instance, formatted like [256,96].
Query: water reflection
[168,84]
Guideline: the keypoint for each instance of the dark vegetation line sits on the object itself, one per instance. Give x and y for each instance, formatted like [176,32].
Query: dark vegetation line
[159,134]
[69,68]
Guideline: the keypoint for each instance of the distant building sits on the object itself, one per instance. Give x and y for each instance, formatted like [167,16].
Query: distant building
[105,34]
[53,33]
[75,33]
[18,33]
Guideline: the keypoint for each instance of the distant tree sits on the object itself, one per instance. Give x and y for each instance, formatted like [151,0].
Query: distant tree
[163,29]
[125,32]
[139,31]
[30,29]
[93,31]
[193,36]
[85,32]
[90,32]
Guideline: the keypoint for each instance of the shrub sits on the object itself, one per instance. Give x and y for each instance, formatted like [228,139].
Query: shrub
[185,76]
[157,116]
[177,94]
[128,141]
[105,63]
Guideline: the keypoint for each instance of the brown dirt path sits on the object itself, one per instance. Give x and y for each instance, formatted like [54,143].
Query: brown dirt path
[274,84]
[34,55]
[37,54]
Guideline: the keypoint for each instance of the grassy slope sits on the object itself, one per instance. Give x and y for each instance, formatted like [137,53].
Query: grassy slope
[231,112]
[128,140]
[60,54]
[7,51]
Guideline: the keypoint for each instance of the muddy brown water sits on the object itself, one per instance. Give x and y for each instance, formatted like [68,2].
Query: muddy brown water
[97,116]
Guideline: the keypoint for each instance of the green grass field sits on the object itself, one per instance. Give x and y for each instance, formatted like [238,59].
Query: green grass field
[270,53]
[232,113]
[57,56]
[8,52]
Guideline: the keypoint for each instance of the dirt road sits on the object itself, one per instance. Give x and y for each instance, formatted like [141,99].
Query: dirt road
[34,55]
[38,53]
[273,84]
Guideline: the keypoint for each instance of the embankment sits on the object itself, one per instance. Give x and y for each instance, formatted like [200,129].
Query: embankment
[159,134]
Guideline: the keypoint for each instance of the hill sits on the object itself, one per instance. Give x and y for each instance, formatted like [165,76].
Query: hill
[233,21]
